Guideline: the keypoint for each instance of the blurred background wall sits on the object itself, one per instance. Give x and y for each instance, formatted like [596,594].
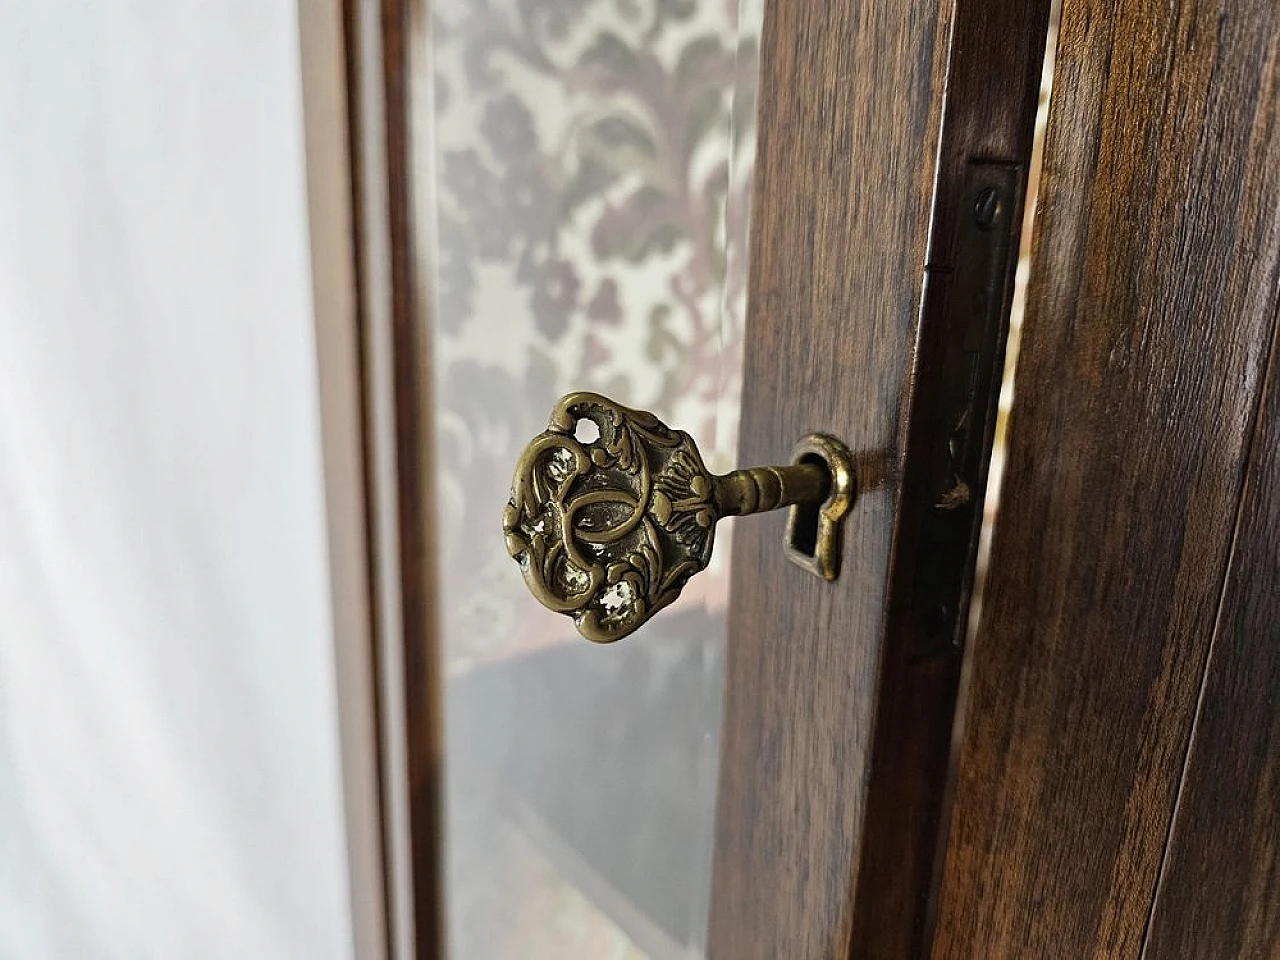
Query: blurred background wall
[169,770]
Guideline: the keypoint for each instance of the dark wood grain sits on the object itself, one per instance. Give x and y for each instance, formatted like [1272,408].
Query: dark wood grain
[1219,895]
[834,745]
[1152,304]
[992,90]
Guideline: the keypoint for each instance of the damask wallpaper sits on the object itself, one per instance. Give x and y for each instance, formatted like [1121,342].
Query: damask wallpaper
[591,193]
[585,180]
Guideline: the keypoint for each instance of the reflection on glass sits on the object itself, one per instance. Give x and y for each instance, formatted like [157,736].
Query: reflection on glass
[587,231]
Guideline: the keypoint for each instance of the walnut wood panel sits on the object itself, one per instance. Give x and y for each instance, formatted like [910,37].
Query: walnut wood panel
[1219,896]
[834,731]
[1152,304]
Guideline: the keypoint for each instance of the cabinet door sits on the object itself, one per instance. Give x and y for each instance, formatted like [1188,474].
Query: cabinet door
[555,197]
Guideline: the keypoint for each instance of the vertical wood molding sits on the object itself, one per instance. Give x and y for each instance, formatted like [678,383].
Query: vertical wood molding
[329,207]
[397,367]
[1151,306]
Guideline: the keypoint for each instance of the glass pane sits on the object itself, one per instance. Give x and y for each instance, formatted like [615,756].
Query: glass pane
[588,173]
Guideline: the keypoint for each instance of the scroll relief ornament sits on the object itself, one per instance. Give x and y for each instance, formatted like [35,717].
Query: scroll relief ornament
[608,531]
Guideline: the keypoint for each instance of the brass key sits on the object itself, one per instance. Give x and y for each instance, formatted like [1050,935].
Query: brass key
[612,511]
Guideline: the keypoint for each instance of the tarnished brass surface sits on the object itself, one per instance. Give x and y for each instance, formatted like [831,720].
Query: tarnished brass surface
[822,556]
[608,528]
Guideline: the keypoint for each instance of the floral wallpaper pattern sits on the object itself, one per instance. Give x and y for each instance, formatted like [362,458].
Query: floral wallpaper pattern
[585,173]
[592,162]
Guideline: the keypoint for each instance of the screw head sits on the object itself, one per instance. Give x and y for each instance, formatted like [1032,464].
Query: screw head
[985,207]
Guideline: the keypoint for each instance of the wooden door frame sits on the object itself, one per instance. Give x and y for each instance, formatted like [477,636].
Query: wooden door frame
[375,363]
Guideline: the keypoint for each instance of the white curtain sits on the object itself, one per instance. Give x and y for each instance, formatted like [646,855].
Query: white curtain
[169,771]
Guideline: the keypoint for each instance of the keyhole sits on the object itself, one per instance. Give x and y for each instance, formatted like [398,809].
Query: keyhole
[587,431]
[803,532]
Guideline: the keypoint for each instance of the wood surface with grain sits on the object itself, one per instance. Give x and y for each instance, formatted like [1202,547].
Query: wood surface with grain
[1219,894]
[834,748]
[1151,311]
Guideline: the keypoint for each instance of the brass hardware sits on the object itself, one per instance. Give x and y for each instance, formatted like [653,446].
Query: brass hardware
[962,336]
[813,529]
[608,528]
